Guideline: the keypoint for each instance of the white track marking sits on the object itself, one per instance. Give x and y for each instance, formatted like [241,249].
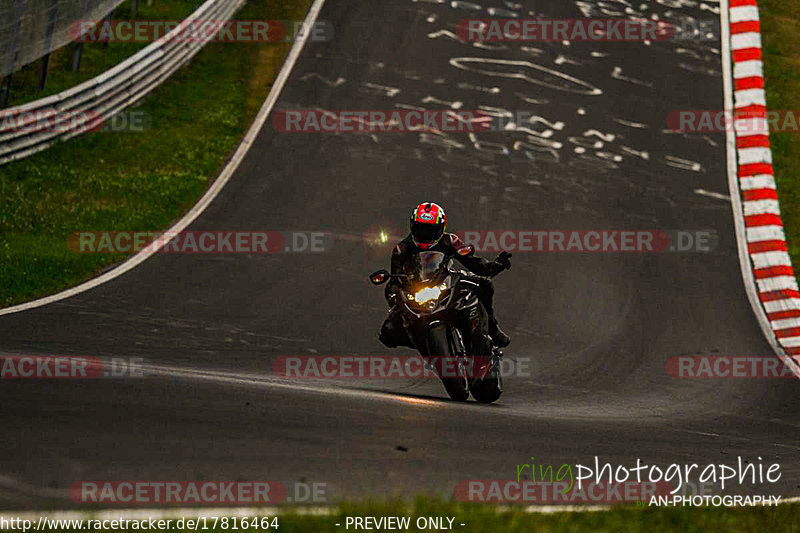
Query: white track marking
[210,194]
[711,194]
[521,70]
[264,381]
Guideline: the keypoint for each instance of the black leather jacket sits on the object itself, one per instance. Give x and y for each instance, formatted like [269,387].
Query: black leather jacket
[404,254]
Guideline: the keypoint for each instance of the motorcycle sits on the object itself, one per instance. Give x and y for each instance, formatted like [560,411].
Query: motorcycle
[448,325]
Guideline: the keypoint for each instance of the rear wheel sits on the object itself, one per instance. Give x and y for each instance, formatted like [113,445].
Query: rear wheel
[444,359]
[488,389]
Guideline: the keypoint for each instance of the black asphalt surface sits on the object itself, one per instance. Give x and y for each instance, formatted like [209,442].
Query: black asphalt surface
[596,328]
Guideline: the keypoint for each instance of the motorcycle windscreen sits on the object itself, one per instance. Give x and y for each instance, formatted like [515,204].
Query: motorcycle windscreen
[427,265]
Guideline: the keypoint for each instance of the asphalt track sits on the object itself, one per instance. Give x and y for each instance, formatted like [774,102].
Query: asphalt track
[597,327]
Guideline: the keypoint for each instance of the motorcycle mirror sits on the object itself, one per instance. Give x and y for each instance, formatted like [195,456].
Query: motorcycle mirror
[466,250]
[379,277]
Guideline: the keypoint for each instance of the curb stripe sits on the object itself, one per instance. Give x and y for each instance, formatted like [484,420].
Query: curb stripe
[753,169]
[773,271]
[765,233]
[748,26]
[753,82]
[783,294]
[747,54]
[752,141]
[763,220]
[766,246]
[751,111]
[759,194]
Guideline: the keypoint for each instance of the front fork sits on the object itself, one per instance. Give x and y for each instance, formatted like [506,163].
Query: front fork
[459,350]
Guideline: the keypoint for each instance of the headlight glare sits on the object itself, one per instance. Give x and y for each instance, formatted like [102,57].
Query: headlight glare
[427,294]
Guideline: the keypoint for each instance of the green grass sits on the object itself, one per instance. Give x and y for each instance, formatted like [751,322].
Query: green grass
[138,181]
[483,518]
[780,23]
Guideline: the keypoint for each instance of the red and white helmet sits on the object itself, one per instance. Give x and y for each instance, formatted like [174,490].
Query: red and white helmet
[428,224]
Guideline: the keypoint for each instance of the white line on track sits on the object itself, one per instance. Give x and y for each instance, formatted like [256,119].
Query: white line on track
[263,380]
[712,194]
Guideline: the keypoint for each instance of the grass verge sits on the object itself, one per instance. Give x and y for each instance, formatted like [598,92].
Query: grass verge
[779,26]
[134,180]
[484,518]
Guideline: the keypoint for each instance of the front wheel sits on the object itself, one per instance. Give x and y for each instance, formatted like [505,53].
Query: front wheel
[450,371]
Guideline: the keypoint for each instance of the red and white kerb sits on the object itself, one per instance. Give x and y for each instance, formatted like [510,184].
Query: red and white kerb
[766,241]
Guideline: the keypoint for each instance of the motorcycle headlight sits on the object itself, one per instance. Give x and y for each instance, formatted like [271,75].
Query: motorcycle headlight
[429,293]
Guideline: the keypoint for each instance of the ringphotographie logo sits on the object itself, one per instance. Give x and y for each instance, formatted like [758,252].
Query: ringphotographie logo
[645,483]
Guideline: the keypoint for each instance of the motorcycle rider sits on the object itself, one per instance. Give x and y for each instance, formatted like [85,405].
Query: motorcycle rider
[428,225]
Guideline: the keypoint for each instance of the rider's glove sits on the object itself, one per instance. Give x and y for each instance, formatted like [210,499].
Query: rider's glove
[504,260]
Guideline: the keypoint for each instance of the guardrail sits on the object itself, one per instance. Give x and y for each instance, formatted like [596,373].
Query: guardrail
[29,128]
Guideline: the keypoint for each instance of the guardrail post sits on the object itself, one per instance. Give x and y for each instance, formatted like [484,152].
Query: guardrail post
[76,58]
[108,18]
[5,91]
[11,57]
[43,73]
[48,42]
